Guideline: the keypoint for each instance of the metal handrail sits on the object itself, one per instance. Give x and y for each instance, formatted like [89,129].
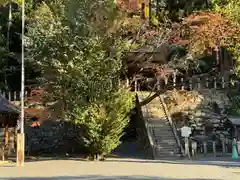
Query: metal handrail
[172,124]
[148,127]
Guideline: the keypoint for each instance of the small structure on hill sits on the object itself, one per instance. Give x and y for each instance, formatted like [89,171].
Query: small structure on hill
[235,122]
[9,114]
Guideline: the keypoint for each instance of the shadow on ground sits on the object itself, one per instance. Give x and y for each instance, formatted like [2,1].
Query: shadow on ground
[99,178]
[204,162]
[220,162]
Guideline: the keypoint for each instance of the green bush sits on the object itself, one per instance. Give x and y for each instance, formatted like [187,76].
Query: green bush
[104,123]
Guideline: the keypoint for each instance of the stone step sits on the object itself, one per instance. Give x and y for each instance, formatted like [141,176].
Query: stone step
[166,141]
[164,152]
[170,142]
[166,147]
[162,132]
[159,125]
[165,138]
[168,157]
[160,128]
[157,119]
[160,153]
[163,145]
[169,149]
[163,135]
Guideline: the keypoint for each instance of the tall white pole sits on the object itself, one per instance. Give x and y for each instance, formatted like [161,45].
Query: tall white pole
[22,68]
[21,137]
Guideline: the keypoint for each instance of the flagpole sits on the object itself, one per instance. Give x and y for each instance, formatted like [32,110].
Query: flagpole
[20,137]
[22,68]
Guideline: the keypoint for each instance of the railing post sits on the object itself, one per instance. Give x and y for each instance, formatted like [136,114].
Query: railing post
[158,84]
[199,83]
[186,140]
[223,146]
[194,148]
[207,83]
[135,85]
[127,83]
[166,83]
[190,84]
[223,82]
[215,83]
[174,79]
[14,96]
[182,84]
[205,148]
[214,149]
[9,96]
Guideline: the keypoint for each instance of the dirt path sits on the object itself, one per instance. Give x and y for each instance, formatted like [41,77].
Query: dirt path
[124,169]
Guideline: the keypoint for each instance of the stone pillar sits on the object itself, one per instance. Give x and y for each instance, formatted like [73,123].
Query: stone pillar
[20,149]
[186,146]
[194,148]
[205,148]
[214,149]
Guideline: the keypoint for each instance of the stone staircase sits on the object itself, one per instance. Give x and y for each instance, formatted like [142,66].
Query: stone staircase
[160,132]
[165,145]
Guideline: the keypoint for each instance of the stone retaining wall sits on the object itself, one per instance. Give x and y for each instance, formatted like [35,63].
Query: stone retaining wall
[52,137]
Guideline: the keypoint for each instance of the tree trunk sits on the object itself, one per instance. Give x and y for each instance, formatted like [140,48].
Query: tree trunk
[96,157]
[6,138]
[9,23]
[150,12]
[8,37]
[149,99]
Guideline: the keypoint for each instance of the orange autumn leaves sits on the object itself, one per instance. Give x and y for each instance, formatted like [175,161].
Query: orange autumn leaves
[131,5]
[198,32]
[41,114]
[128,5]
[208,30]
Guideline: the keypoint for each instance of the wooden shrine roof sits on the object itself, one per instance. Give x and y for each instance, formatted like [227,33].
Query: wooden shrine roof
[8,113]
[8,107]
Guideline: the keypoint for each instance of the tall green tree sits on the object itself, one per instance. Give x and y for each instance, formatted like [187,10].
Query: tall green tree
[80,60]
[10,23]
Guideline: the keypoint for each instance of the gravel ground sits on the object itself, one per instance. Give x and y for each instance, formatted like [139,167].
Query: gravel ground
[124,169]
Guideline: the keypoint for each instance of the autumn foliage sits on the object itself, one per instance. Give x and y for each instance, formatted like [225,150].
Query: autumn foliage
[39,113]
[128,5]
[208,30]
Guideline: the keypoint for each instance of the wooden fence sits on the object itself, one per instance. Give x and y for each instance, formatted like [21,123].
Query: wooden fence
[13,95]
[190,83]
[173,82]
